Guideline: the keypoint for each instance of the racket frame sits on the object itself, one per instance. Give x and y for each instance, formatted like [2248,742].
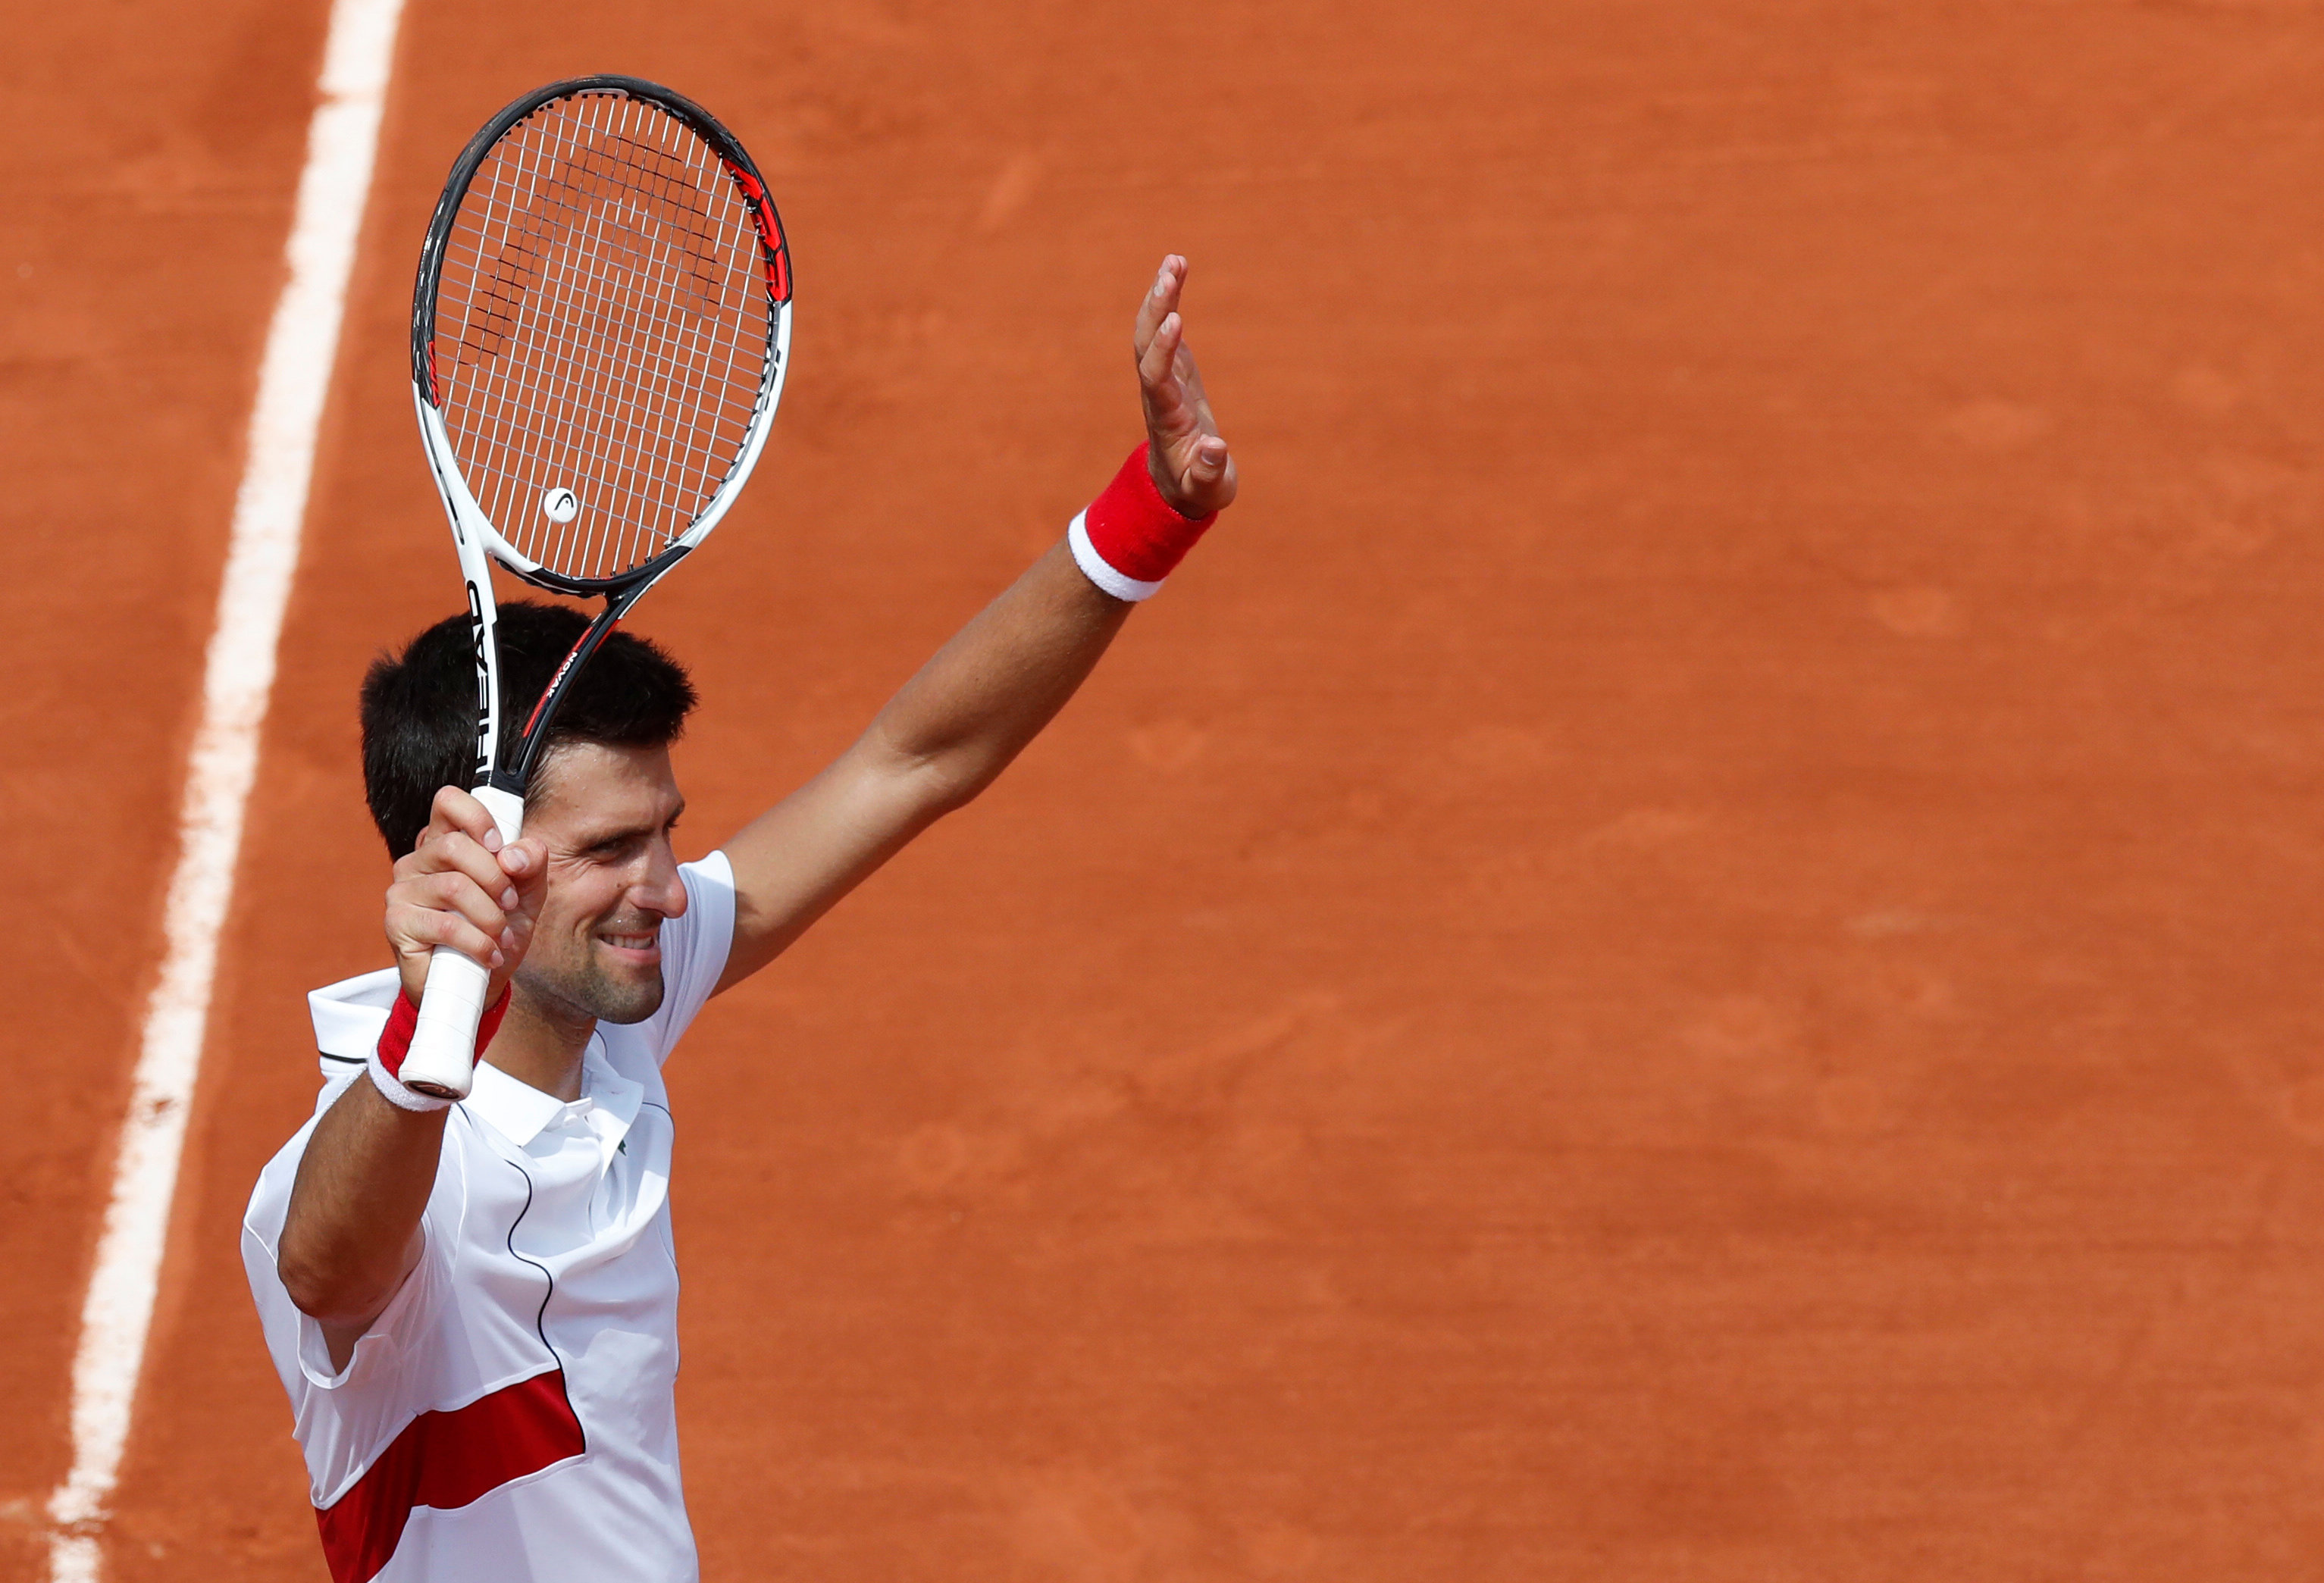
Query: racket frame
[442,1059]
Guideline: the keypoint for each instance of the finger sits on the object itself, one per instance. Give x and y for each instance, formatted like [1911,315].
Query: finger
[517,938]
[1190,382]
[1155,368]
[526,857]
[454,809]
[1221,487]
[1201,475]
[417,931]
[531,887]
[1161,299]
[453,852]
[455,893]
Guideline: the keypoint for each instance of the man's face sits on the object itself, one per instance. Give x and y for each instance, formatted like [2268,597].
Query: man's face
[605,814]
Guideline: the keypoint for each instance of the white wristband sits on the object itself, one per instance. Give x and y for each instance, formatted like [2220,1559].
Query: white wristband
[392,1091]
[1096,568]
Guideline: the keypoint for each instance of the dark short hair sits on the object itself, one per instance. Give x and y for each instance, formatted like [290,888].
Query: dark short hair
[420,706]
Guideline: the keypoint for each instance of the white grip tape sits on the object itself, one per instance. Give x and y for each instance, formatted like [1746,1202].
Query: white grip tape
[442,1060]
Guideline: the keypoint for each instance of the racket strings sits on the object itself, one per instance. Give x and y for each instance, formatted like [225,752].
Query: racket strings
[541,228]
[614,241]
[589,550]
[604,312]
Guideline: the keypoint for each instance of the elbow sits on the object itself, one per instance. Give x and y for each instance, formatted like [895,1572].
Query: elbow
[927,785]
[321,1293]
[947,788]
[923,778]
[311,1292]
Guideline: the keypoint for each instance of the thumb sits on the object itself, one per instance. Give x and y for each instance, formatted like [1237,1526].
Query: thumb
[526,863]
[1209,478]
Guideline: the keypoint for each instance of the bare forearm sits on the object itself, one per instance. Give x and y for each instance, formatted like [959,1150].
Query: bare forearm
[1002,678]
[972,708]
[352,1232]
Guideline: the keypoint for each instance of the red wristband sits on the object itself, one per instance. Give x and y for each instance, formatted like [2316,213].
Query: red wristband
[395,1039]
[1130,538]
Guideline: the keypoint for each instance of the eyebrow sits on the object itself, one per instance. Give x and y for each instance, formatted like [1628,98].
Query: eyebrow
[629,832]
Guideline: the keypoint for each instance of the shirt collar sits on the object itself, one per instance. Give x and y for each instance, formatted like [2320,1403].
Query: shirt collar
[616,1095]
[517,1112]
[349,1015]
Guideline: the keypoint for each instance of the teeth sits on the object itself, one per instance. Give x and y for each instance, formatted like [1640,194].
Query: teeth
[629,942]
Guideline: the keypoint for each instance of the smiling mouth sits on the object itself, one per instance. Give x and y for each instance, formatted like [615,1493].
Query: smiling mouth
[631,941]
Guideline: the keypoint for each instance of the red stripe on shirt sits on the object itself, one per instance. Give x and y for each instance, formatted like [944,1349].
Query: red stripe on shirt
[446,1460]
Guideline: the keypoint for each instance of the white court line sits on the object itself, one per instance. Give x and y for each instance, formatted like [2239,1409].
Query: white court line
[295,376]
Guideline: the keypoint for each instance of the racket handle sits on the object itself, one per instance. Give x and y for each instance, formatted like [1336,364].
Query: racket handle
[442,1061]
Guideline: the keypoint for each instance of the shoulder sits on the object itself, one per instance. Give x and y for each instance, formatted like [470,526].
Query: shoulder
[696,944]
[347,1019]
[709,883]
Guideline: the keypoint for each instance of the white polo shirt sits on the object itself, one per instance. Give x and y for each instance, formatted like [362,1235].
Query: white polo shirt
[511,1415]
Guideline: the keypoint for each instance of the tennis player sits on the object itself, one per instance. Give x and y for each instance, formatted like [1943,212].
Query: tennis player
[474,1307]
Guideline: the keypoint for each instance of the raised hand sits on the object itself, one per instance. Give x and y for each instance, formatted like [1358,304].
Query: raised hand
[460,888]
[1190,463]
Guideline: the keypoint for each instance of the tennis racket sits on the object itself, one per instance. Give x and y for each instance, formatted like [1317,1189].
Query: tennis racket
[598,341]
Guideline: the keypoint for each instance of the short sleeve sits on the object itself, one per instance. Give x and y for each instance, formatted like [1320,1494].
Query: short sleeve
[342,1415]
[348,1016]
[694,951]
[399,1330]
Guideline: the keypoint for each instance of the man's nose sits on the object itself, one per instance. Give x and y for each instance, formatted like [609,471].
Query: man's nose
[661,888]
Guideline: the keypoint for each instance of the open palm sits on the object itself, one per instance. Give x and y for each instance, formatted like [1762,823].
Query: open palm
[1191,464]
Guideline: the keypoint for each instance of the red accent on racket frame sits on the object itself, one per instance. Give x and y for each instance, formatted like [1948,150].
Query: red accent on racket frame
[778,253]
[550,691]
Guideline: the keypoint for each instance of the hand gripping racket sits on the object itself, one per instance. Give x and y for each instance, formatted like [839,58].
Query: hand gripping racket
[598,340]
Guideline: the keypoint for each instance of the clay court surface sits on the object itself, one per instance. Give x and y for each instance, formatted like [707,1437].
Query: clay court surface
[1687,951]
